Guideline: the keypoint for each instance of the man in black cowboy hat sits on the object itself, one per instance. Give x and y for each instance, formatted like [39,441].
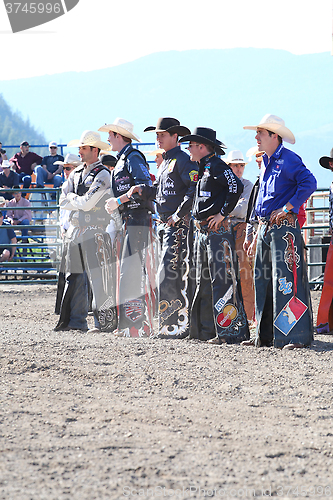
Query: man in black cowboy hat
[217,312]
[173,192]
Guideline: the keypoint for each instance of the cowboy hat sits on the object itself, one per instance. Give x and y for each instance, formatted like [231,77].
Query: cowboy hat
[276,125]
[171,125]
[204,135]
[70,159]
[325,160]
[5,164]
[235,156]
[122,127]
[108,160]
[155,152]
[89,138]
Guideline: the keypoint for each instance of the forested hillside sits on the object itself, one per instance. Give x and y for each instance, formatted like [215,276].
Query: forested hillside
[14,129]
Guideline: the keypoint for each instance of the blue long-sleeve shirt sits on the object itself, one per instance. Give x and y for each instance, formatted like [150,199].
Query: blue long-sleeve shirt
[285,179]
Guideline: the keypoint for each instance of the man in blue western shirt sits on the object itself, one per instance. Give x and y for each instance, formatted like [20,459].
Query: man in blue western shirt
[283,307]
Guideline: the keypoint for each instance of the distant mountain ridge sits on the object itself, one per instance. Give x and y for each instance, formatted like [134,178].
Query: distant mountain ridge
[222,89]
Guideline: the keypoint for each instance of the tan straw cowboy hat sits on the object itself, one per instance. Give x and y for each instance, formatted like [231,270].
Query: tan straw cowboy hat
[122,127]
[276,125]
[89,138]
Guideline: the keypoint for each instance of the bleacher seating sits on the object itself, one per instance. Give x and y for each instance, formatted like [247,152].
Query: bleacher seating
[39,259]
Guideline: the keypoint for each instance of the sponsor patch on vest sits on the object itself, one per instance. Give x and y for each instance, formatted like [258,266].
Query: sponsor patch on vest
[193,175]
[205,194]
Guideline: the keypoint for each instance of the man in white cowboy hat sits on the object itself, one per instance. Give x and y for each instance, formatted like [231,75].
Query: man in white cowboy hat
[236,162]
[283,308]
[217,312]
[173,192]
[89,247]
[134,287]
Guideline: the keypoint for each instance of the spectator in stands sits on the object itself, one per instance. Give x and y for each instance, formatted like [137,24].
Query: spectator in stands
[25,163]
[19,213]
[3,155]
[109,161]
[8,179]
[70,162]
[49,171]
[7,236]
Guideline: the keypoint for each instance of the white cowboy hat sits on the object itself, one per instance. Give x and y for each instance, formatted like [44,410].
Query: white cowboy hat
[122,127]
[235,156]
[274,124]
[89,138]
[70,159]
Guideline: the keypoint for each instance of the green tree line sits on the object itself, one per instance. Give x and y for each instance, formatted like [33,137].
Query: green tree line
[14,129]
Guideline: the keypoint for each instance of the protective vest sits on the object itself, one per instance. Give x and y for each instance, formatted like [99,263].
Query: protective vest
[97,216]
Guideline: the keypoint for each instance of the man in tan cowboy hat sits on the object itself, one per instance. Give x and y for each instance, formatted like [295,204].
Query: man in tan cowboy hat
[173,192]
[283,309]
[217,312]
[134,286]
[236,162]
[89,245]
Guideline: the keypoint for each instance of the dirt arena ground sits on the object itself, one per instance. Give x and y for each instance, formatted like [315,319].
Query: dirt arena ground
[98,417]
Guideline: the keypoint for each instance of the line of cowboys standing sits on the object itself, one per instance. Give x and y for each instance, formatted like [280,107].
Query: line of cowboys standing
[200,205]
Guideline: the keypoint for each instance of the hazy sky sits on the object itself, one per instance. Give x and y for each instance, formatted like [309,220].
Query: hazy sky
[100,33]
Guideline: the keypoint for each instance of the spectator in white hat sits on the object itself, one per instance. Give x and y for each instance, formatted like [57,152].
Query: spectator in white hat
[49,171]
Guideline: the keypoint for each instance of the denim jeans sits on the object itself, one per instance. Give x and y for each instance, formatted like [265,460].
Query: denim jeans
[25,179]
[41,178]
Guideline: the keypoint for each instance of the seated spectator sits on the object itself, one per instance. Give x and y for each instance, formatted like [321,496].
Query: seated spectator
[70,162]
[19,216]
[49,171]
[3,156]
[7,236]
[8,179]
[25,163]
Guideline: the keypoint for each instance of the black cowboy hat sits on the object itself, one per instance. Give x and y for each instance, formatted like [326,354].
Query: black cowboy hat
[204,135]
[108,160]
[171,125]
[324,160]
